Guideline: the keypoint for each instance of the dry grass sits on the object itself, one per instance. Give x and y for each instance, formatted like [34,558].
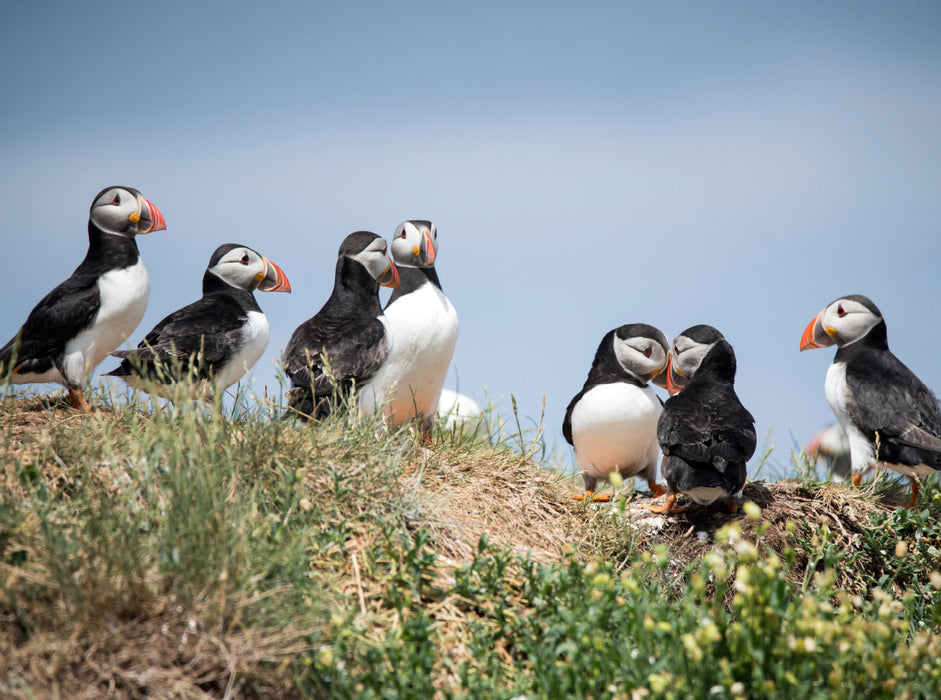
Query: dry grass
[161,646]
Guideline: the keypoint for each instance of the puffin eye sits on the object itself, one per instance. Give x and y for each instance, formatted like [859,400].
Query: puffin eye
[116,200]
[244,260]
[647,351]
[840,311]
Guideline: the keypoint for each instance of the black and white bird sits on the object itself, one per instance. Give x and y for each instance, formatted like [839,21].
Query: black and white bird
[612,421]
[833,446]
[706,434]
[77,325]
[210,344]
[424,329]
[889,415]
[347,341]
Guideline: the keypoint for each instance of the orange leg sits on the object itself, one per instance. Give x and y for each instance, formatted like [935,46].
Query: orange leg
[590,496]
[658,489]
[916,487]
[732,505]
[668,507]
[857,480]
[78,400]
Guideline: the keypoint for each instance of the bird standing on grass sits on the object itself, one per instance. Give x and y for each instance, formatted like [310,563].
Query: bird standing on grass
[424,329]
[612,421]
[76,325]
[705,433]
[211,343]
[889,415]
[345,343]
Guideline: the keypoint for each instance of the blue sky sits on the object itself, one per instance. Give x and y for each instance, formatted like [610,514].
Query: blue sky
[587,165]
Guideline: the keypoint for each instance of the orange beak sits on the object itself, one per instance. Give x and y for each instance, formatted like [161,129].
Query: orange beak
[390,278]
[427,249]
[672,386]
[157,222]
[815,336]
[275,280]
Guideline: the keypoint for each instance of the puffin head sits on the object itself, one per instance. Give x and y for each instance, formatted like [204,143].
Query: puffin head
[371,251]
[641,350]
[415,243]
[841,322]
[123,211]
[244,268]
[689,350]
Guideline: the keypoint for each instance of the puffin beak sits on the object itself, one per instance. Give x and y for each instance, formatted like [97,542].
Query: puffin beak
[426,248]
[150,217]
[671,385]
[815,335]
[660,377]
[390,278]
[274,280]
[813,448]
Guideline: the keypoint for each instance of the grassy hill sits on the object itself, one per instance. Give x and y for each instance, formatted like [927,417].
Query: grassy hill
[223,553]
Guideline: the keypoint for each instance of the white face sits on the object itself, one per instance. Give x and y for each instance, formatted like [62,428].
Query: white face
[846,321]
[642,357]
[688,355]
[375,258]
[415,244]
[242,268]
[117,211]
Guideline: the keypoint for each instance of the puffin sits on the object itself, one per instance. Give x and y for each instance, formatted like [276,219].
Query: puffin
[705,433]
[80,322]
[424,329]
[889,415]
[345,343]
[832,444]
[210,344]
[612,422]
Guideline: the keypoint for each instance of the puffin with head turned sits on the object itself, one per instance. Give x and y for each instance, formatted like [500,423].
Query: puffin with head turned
[424,329]
[705,432]
[888,413]
[612,422]
[77,325]
[343,345]
[210,344]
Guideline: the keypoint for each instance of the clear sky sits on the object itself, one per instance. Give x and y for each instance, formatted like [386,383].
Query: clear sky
[587,165]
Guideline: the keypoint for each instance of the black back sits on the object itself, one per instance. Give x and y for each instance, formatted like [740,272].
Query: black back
[890,402]
[705,429]
[346,335]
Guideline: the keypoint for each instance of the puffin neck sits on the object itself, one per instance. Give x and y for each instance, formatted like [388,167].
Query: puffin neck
[108,251]
[352,283]
[215,286]
[412,278]
[876,339]
[718,364]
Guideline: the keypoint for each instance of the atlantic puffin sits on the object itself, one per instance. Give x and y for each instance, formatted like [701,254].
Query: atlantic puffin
[210,344]
[612,422]
[832,444]
[889,415]
[76,325]
[347,341]
[706,434]
[424,329]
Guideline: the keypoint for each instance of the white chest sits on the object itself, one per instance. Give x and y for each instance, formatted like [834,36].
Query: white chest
[614,428]
[254,341]
[862,450]
[123,300]
[424,328]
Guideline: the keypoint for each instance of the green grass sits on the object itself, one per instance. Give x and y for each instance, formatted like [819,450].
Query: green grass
[206,552]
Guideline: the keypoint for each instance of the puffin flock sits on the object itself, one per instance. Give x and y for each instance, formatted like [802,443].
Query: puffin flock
[353,354]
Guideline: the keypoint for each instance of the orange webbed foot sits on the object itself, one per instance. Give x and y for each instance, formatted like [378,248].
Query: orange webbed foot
[657,489]
[78,400]
[668,507]
[590,496]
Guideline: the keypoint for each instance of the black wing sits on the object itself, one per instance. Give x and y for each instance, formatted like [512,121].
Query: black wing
[61,315]
[707,427]
[351,351]
[889,399]
[203,330]
[567,421]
